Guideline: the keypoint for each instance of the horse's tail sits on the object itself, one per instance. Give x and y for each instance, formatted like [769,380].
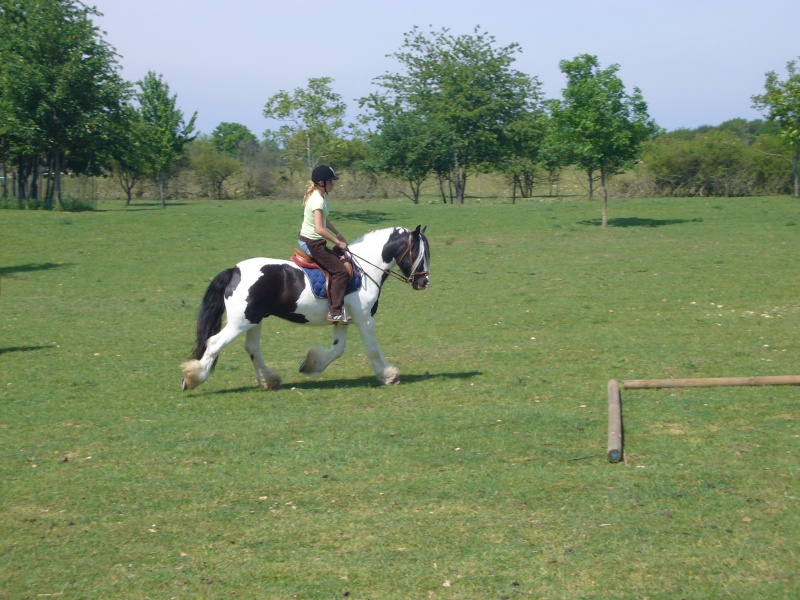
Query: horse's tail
[209,319]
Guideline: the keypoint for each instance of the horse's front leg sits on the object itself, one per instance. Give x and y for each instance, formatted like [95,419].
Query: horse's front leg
[318,358]
[266,377]
[387,373]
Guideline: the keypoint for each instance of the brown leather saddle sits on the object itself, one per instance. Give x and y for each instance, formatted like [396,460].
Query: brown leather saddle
[301,259]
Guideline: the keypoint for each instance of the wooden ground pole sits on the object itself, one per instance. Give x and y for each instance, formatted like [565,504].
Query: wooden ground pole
[615,398]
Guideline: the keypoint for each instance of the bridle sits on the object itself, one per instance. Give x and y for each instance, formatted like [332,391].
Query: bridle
[415,263]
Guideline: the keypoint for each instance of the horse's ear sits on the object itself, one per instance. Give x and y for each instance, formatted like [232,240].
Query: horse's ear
[424,229]
[417,230]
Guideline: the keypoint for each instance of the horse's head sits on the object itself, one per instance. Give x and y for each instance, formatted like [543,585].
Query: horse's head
[414,258]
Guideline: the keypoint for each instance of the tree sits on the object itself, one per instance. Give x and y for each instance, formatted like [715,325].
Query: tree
[212,167]
[164,131]
[129,164]
[231,138]
[554,156]
[259,161]
[313,117]
[406,146]
[781,102]
[60,91]
[462,87]
[522,156]
[603,125]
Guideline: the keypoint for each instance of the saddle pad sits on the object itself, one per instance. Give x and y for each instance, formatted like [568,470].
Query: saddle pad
[319,288]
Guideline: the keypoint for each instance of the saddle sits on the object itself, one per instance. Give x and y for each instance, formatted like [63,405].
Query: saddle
[319,277]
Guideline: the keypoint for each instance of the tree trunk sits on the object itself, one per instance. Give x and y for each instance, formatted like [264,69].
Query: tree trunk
[415,186]
[162,189]
[590,173]
[49,182]
[33,189]
[796,170]
[459,180]
[57,174]
[19,182]
[514,191]
[605,197]
[4,175]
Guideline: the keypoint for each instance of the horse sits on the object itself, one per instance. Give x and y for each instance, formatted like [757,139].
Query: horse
[258,288]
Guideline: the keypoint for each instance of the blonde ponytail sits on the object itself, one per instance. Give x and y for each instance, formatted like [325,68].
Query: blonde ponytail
[309,190]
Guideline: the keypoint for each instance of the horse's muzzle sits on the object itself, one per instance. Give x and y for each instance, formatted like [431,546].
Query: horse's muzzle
[421,283]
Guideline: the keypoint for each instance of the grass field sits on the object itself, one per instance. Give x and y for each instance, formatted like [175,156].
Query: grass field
[481,476]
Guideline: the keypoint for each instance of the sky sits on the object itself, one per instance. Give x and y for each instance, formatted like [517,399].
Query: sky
[697,62]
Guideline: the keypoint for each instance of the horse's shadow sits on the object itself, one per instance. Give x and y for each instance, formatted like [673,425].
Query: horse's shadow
[360,382]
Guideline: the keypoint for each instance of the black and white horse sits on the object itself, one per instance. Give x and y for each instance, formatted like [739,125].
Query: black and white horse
[261,287]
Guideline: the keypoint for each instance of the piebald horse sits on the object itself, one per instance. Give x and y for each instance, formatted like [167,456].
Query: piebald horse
[257,288]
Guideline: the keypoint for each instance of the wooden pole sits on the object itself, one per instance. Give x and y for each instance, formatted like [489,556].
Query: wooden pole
[615,401]
[614,422]
[643,384]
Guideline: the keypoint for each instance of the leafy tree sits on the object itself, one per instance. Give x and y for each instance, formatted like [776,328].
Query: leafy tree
[603,125]
[313,117]
[465,90]
[60,91]
[260,161]
[212,167]
[407,146]
[164,130]
[230,138]
[522,158]
[128,161]
[554,155]
[781,101]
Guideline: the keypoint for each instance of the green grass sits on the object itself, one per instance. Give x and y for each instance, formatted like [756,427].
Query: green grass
[482,475]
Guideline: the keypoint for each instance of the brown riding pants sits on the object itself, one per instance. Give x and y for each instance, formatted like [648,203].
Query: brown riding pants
[329,261]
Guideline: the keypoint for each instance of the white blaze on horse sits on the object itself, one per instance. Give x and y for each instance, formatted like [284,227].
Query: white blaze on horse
[262,287]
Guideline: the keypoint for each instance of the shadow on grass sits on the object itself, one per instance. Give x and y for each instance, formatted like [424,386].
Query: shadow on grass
[361,382]
[637,222]
[139,206]
[370,217]
[22,349]
[31,268]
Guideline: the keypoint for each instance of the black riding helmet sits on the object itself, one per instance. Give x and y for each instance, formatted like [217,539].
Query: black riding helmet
[323,173]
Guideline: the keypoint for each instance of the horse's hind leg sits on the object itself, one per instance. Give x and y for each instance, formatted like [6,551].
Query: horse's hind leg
[195,372]
[318,358]
[266,377]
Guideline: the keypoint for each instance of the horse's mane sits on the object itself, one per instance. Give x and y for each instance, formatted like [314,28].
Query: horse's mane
[372,233]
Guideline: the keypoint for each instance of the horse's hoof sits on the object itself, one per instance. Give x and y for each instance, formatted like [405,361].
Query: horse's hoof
[271,383]
[391,375]
[184,387]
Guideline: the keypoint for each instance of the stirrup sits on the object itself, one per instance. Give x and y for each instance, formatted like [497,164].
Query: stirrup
[341,318]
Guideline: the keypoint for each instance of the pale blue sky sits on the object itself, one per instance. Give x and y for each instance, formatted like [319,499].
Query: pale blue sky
[697,62]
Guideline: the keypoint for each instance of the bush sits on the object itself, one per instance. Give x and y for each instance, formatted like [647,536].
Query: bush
[717,163]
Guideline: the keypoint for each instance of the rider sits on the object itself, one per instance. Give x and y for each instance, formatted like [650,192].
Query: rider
[316,230]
